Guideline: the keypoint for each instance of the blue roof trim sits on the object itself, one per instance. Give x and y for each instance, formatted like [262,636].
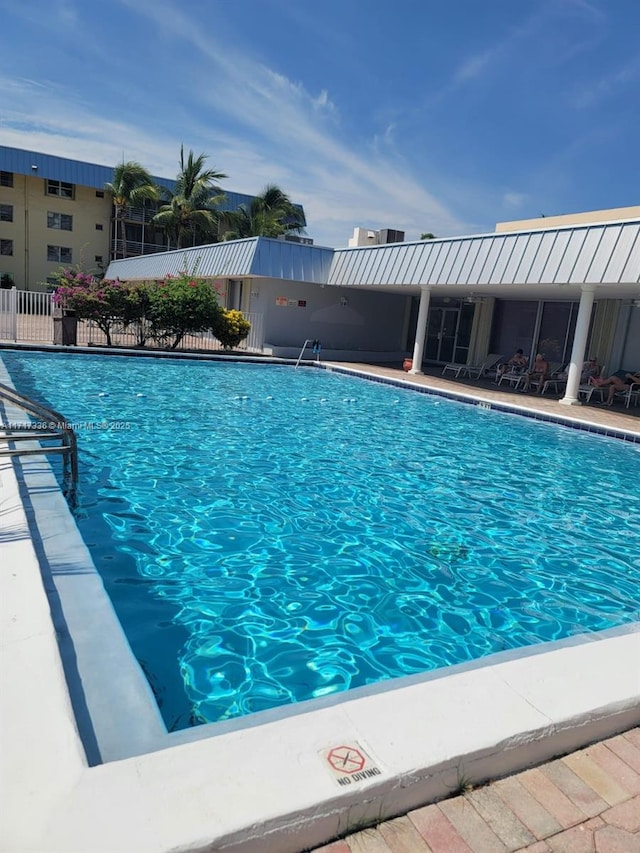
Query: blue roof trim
[21,162]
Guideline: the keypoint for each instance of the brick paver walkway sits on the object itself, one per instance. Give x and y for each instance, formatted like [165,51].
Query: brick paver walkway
[586,802]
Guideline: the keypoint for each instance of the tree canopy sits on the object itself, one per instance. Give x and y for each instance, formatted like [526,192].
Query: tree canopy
[270,214]
[191,214]
[130,187]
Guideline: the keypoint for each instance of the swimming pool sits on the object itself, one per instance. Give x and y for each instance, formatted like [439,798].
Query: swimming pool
[270,535]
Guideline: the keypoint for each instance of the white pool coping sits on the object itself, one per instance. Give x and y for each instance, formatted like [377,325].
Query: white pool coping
[266,784]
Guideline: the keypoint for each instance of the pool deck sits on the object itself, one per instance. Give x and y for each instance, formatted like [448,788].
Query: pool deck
[289,780]
[586,801]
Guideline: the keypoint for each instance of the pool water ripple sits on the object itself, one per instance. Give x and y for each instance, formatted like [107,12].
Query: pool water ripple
[301,533]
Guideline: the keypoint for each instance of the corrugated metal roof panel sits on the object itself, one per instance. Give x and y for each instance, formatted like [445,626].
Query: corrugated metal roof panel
[486,273]
[255,256]
[618,259]
[466,247]
[515,259]
[550,269]
[545,247]
[603,254]
[415,260]
[571,255]
[469,262]
[586,254]
[444,273]
[606,252]
[631,271]
[220,259]
[291,261]
[528,251]
[503,258]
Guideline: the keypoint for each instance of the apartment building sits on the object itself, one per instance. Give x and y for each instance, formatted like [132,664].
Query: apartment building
[54,211]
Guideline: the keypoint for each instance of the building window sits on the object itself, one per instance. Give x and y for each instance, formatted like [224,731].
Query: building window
[6,280]
[99,194]
[6,213]
[61,254]
[62,221]
[59,188]
[99,226]
[98,259]
[6,247]
[6,179]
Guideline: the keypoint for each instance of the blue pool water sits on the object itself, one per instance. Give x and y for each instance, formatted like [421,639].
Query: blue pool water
[270,535]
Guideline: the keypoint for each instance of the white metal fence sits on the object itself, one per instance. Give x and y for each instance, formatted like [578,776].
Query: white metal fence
[29,316]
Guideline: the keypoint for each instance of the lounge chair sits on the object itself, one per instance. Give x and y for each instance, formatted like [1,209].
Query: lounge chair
[514,376]
[474,371]
[555,367]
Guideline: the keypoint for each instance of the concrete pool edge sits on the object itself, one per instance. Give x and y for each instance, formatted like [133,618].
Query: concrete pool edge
[477,724]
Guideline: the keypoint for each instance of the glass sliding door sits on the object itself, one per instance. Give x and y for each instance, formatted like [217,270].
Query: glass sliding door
[448,333]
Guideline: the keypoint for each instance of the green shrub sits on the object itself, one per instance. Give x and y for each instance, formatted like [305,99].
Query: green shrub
[231,328]
[181,305]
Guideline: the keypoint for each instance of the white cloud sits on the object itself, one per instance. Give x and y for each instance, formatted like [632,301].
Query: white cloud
[257,125]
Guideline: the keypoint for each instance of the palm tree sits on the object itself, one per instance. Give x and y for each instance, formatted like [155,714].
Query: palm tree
[190,216]
[131,185]
[269,214]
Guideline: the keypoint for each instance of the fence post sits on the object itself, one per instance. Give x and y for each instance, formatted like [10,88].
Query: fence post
[13,312]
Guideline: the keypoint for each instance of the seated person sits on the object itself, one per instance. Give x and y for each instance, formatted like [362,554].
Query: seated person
[590,370]
[539,373]
[616,384]
[516,364]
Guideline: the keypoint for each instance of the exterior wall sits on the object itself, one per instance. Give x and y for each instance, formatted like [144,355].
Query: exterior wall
[341,318]
[591,216]
[31,235]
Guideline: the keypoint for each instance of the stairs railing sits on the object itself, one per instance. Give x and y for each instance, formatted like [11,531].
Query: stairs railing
[48,426]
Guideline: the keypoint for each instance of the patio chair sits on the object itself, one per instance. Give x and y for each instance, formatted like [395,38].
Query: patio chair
[554,368]
[476,371]
[473,371]
[514,376]
[557,380]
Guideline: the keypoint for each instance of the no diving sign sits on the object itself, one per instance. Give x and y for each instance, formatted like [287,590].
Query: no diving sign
[349,763]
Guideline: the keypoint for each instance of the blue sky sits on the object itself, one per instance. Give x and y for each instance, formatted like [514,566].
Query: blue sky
[417,115]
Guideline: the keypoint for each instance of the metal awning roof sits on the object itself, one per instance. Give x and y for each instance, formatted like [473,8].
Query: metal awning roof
[253,257]
[591,254]
[534,263]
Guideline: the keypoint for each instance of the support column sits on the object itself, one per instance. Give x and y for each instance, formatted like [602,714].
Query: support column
[579,345]
[421,330]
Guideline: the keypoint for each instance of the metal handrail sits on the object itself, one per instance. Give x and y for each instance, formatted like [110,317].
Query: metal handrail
[50,426]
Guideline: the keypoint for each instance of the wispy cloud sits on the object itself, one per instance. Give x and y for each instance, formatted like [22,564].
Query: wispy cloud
[610,86]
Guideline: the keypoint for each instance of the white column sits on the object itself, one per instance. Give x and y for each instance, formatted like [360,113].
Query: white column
[579,344]
[421,330]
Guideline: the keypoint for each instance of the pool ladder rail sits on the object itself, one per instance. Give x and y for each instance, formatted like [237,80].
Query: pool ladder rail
[316,347]
[49,426]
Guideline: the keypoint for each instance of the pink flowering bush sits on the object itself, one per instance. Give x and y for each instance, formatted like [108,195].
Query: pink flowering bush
[103,301]
[165,310]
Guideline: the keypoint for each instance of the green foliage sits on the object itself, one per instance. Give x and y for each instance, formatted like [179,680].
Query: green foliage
[105,302]
[270,214]
[181,305]
[164,310]
[190,216]
[231,328]
[131,185]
